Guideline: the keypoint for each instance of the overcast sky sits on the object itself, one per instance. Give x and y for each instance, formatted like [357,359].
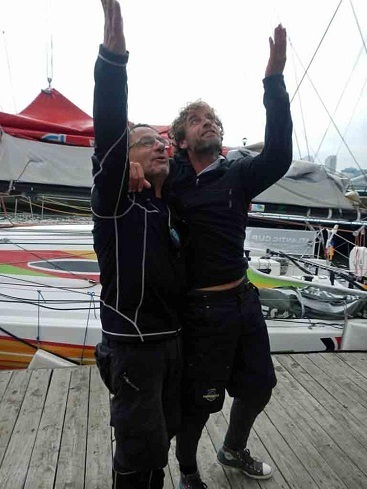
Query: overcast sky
[215,50]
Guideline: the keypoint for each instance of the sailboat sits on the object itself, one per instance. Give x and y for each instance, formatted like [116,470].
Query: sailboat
[49,296]
[49,288]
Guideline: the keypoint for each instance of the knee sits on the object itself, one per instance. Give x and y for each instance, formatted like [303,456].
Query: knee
[263,398]
[254,401]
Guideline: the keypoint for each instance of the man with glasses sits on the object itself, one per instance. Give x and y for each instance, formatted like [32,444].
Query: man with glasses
[142,276]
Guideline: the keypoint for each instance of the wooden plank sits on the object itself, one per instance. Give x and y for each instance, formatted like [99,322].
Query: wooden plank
[258,450]
[5,376]
[173,464]
[99,443]
[10,406]
[217,427]
[310,430]
[338,460]
[317,403]
[168,483]
[341,390]
[210,470]
[360,356]
[287,468]
[71,465]
[292,469]
[43,464]
[19,451]
[357,361]
[333,364]
[313,461]
[335,397]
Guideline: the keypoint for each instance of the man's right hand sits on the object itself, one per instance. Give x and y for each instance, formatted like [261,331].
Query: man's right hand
[114,39]
[137,181]
[278,51]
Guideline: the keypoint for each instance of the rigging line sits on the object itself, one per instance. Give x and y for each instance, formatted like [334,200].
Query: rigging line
[49,46]
[353,112]
[86,327]
[21,300]
[39,293]
[297,142]
[30,285]
[294,223]
[31,345]
[9,72]
[358,25]
[338,272]
[332,120]
[340,99]
[53,264]
[63,204]
[77,290]
[300,104]
[318,47]
[59,211]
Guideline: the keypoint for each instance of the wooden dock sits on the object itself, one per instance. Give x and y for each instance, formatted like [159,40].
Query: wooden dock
[54,429]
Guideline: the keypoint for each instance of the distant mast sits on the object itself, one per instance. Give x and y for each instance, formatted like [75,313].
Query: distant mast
[49,46]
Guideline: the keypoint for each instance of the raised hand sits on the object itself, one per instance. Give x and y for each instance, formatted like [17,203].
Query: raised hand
[114,39]
[278,51]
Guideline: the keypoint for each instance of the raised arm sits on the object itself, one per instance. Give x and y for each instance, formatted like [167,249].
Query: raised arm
[110,160]
[273,162]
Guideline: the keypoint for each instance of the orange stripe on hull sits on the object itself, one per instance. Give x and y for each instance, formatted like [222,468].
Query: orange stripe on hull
[14,354]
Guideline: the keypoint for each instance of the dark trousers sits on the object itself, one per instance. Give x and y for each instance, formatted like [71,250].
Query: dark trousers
[145,380]
[226,346]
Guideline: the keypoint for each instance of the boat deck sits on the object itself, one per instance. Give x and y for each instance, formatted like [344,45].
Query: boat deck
[54,430]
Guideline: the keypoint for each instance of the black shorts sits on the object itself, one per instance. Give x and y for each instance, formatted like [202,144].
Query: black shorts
[144,379]
[226,346]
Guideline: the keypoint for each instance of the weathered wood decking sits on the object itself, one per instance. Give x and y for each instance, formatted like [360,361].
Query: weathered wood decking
[54,430]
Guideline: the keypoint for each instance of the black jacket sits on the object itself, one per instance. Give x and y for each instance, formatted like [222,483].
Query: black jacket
[214,205]
[141,272]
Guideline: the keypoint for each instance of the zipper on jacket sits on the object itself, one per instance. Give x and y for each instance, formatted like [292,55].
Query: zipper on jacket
[127,380]
[197,181]
[230,199]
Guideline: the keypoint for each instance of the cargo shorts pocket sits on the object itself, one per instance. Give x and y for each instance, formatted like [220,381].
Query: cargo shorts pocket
[203,393]
[205,380]
[103,356]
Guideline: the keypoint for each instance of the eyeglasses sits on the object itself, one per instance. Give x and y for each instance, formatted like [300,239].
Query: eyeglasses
[149,142]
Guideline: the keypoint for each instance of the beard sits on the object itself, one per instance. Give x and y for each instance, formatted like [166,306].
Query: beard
[210,146]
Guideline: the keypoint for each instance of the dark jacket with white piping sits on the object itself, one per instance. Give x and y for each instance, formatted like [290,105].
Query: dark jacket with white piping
[142,274]
[214,205]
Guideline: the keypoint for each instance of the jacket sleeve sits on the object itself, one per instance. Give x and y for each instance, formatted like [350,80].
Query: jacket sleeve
[273,162]
[110,160]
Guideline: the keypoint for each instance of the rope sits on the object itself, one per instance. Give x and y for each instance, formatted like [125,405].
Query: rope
[301,109]
[49,47]
[9,71]
[352,115]
[358,25]
[339,101]
[331,119]
[86,326]
[38,317]
[318,47]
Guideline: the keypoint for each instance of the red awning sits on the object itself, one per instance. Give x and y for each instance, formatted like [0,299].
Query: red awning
[51,117]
